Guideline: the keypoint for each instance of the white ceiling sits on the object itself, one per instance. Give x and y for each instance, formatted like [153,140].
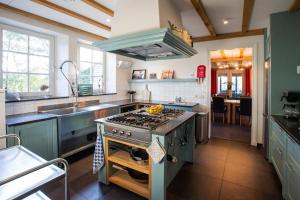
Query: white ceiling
[217,10]
[75,5]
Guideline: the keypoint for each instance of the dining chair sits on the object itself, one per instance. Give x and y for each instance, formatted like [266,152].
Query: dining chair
[245,108]
[218,107]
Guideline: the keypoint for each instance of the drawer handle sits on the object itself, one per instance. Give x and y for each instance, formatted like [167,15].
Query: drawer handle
[280,152]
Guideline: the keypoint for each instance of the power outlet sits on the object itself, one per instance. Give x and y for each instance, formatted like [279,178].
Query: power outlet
[298,69]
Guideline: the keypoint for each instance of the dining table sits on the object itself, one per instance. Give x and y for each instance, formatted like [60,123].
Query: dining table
[231,104]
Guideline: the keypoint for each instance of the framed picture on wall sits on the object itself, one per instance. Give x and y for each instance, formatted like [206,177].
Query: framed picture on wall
[139,74]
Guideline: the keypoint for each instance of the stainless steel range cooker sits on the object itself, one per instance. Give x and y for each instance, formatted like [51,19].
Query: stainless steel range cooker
[136,127]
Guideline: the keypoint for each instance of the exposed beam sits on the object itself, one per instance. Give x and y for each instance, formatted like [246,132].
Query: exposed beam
[295,6]
[99,6]
[49,21]
[229,35]
[247,12]
[242,52]
[222,53]
[202,13]
[233,59]
[71,13]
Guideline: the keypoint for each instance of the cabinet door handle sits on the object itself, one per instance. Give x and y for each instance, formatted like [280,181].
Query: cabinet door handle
[280,152]
[20,132]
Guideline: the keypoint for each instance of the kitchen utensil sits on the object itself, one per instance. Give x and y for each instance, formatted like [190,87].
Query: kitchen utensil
[139,155]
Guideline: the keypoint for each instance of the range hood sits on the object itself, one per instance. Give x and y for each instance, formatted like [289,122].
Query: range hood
[156,44]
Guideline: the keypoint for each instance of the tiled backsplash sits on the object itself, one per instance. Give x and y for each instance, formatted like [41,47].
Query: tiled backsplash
[167,91]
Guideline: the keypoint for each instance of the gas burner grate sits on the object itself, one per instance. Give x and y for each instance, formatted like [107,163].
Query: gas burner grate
[144,120]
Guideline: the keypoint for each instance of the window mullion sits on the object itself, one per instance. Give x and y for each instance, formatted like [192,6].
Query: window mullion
[1,55]
[28,86]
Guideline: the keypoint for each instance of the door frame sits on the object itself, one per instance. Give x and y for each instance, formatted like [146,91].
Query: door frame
[254,81]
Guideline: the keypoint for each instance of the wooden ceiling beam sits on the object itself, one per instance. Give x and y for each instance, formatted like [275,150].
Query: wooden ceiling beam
[202,13]
[229,35]
[49,21]
[295,6]
[99,6]
[247,12]
[233,59]
[71,13]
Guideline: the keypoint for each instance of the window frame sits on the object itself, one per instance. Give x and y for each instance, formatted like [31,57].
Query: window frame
[234,87]
[90,46]
[220,83]
[28,73]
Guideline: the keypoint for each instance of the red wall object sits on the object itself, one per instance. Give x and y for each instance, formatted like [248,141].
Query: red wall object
[248,82]
[214,84]
[201,71]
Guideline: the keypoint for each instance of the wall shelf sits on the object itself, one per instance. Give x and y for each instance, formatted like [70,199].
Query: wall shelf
[162,80]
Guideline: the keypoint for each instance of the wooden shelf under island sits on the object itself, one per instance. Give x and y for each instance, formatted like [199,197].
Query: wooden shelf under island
[121,177]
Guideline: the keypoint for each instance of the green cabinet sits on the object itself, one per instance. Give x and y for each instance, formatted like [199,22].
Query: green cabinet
[292,181]
[39,137]
[278,150]
[285,156]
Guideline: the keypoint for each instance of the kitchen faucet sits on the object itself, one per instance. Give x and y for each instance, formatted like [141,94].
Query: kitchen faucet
[74,92]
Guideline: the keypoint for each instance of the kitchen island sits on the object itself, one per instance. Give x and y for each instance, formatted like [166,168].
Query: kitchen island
[175,133]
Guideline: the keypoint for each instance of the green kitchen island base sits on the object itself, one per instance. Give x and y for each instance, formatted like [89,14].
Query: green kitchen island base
[179,145]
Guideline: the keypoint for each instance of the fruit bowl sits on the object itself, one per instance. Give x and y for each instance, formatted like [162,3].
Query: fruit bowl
[155,109]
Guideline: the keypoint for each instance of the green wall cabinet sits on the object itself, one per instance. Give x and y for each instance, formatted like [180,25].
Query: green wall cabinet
[285,156]
[39,137]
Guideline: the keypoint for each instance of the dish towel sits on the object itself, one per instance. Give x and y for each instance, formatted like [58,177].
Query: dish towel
[98,161]
[156,151]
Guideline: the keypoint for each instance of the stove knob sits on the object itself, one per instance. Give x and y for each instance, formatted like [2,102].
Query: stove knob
[121,132]
[114,131]
[128,134]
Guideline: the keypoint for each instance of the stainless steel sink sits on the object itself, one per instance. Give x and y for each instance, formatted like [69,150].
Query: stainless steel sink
[76,127]
[68,108]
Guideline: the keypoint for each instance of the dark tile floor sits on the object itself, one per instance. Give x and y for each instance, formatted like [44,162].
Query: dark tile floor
[231,132]
[223,169]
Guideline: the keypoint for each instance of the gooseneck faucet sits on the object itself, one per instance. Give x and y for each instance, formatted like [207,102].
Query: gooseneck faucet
[74,92]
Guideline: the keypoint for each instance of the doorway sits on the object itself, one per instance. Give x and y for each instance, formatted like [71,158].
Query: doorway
[231,93]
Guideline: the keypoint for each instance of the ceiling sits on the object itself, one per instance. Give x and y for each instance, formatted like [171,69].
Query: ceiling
[217,10]
[231,58]
[74,5]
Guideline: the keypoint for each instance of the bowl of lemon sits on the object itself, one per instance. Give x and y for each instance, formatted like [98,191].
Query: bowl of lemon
[155,109]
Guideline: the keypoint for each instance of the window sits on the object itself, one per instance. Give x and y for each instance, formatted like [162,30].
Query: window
[91,67]
[222,83]
[237,84]
[26,60]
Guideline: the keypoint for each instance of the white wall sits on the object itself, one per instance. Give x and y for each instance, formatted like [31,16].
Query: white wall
[168,12]
[133,16]
[186,68]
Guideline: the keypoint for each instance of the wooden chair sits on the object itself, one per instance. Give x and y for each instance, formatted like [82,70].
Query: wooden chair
[218,107]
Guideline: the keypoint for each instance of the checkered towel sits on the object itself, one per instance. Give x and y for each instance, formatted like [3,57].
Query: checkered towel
[98,155]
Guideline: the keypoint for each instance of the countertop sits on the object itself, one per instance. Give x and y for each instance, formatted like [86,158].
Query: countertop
[290,126]
[128,102]
[35,116]
[19,119]
[27,117]
[164,129]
